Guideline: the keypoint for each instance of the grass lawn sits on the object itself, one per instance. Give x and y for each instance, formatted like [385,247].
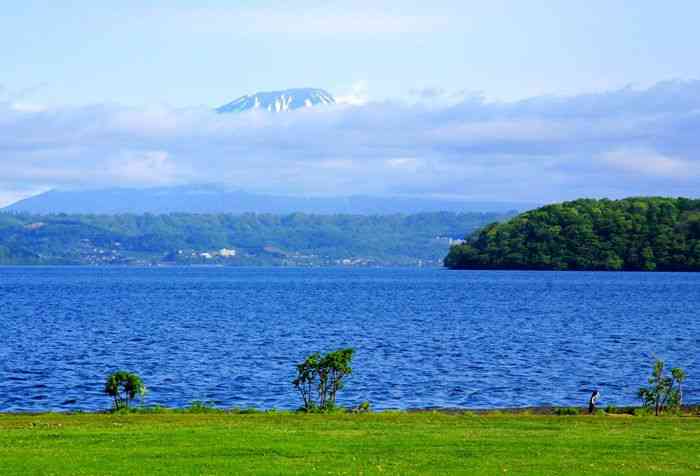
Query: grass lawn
[375,443]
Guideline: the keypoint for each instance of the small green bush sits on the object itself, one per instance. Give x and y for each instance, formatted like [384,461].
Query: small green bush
[124,387]
[664,391]
[199,406]
[613,410]
[331,408]
[321,377]
[146,409]
[567,411]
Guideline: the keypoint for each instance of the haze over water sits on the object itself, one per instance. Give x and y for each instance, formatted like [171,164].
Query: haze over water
[423,337]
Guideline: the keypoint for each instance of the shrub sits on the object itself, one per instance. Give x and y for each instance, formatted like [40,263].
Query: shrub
[321,377]
[564,411]
[198,406]
[150,409]
[664,391]
[613,410]
[123,387]
[363,407]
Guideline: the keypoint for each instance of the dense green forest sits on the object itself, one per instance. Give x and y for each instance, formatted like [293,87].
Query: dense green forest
[633,234]
[247,239]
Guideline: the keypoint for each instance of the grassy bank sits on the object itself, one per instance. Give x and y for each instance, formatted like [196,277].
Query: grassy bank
[375,443]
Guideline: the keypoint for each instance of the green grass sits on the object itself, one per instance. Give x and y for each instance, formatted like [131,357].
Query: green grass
[375,443]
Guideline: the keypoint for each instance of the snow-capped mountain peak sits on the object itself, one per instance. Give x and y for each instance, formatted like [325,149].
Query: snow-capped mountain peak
[278,101]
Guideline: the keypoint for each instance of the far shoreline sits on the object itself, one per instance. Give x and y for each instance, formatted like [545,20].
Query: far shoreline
[341,267]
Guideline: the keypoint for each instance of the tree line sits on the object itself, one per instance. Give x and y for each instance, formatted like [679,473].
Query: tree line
[75,239]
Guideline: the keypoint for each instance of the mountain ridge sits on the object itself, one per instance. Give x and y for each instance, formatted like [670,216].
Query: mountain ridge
[278,101]
[218,199]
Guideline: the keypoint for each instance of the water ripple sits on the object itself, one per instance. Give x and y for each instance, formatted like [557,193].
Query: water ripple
[424,337]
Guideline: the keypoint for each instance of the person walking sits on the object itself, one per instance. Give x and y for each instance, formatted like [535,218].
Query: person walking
[595,396]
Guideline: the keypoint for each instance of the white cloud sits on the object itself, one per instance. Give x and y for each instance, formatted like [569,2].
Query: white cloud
[641,161]
[626,142]
[28,107]
[20,100]
[151,167]
[357,95]
[404,163]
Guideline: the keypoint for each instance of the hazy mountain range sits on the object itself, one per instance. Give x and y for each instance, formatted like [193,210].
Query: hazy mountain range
[218,199]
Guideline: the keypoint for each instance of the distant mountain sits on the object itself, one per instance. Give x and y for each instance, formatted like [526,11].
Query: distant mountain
[278,101]
[217,199]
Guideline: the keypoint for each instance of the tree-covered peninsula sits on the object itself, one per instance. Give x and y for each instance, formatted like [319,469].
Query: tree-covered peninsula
[636,234]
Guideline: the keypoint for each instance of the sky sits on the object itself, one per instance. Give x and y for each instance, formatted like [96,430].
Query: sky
[501,100]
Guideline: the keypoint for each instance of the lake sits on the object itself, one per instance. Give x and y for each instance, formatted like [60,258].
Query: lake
[423,337]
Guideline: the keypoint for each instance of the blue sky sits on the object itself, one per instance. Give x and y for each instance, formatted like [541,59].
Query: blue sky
[185,53]
[481,100]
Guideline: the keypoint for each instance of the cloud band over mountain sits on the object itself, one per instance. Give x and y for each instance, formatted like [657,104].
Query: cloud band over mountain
[625,142]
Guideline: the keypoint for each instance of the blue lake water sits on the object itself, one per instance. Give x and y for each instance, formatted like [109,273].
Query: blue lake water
[424,337]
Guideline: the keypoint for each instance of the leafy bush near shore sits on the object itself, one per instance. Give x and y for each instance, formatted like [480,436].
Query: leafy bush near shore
[613,410]
[124,387]
[567,411]
[320,377]
[199,406]
[664,391]
[642,412]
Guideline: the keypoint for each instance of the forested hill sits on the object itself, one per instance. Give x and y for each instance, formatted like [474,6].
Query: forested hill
[632,234]
[223,239]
